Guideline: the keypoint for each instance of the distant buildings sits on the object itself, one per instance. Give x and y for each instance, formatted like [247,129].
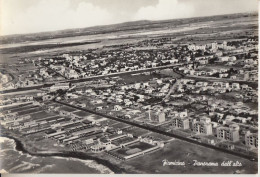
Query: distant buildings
[4,78]
[98,148]
[196,47]
[59,86]
[71,74]
[117,108]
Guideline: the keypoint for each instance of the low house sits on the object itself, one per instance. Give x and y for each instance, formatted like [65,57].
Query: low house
[117,108]
[235,86]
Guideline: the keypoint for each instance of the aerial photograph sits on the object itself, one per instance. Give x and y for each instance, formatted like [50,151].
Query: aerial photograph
[129,86]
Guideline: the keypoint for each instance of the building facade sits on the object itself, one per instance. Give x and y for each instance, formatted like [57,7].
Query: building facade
[251,139]
[203,126]
[230,133]
[182,123]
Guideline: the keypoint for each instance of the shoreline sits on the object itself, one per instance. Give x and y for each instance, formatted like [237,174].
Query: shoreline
[19,146]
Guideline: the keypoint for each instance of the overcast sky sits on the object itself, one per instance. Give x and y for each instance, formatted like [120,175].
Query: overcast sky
[27,16]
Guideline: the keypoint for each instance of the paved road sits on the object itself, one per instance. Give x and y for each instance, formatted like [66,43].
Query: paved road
[163,132]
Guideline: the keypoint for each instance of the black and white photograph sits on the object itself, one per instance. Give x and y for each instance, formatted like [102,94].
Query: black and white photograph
[129,86]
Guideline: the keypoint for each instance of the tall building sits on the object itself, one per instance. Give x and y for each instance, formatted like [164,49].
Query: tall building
[214,45]
[161,117]
[158,116]
[251,139]
[203,126]
[179,122]
[246,76]
[225,45]
[230,133]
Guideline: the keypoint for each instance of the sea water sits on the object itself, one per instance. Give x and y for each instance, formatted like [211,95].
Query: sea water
[13,161]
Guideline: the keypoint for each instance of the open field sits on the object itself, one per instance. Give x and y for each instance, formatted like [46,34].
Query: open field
[120,125]
[181,151]
[138,131]
[132,28]
[12,108]
[29,111]
[41,115]
[159,136]
[23,108]
[188,30]
[82,113]
[66,108]
[130,78]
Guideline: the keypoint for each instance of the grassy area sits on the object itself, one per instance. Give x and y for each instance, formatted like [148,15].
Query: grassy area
[35,141]
[13,108]
[138,131]
[29,111]
[96,117]
[182,151]
[82,113]
[136,147]
[66,108]
[109,122]
[120,125]
[23,108]
[42,114]
[159,136]
[129,79]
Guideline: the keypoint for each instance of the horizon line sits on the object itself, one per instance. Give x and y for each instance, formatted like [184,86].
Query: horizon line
[59,30]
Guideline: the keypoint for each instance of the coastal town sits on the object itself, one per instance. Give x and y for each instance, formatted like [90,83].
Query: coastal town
[133,100]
